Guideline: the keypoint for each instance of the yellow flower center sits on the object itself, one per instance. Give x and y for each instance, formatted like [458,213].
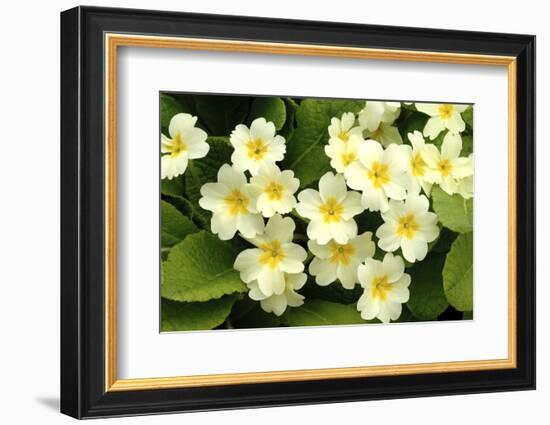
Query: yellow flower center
[274,191]
[237,202]
[378,133]
[407,226]
[344,136]
[256,149]
[418,165]
[445,167]
[380,287]
[341,253]
[378,174]
[331,211]
[348,158]
[272,254]
[445,111]
[178,146]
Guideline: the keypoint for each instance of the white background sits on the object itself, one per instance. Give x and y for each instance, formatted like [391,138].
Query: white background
[141,345]
[29,225]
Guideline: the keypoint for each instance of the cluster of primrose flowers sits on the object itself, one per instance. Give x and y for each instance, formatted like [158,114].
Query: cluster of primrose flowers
[374,171]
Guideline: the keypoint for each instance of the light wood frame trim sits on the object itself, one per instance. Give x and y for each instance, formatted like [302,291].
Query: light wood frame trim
[113,41]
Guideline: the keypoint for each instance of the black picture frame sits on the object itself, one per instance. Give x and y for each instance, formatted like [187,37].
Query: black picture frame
[83,392]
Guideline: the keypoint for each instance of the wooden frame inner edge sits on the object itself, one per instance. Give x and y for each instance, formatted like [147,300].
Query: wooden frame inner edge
[113,41]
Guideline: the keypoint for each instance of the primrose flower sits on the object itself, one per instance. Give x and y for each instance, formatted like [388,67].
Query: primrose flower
[343,129]
[416,165]
[274,190]
[442,116]
[386,288]
[342,154]
[380,174]
[274,256]
[185,142]
[465,187]
[330,210]
[232,203]
[256,146]
[386,134]
[410,226]
[446,168]
[278,303]
[335,261]
[375,113]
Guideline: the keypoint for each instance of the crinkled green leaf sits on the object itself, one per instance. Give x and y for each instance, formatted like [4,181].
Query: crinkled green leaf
[221,114]
[454,212]
[200,268]
[444,241]
[174,225]
[173,187]
[467,145]
[288,128]
[257,318]
[468,116]
[271,108]
[305,151]
[183,316]
[427,299]
[411,121]
[322,313]
[458,273]
[193,211]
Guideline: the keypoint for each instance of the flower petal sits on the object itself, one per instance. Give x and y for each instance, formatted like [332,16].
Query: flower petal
[414,249]
[451,146]
[332,186]
[323,270]
[280,228]
[433,127]
[180,123]
[393,267]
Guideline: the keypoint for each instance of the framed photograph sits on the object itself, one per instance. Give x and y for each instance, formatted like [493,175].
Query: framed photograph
[261,212]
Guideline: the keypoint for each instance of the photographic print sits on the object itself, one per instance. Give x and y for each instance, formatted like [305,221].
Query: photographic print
[286,211]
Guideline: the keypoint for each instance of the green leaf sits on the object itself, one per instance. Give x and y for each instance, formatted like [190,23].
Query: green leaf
[427,299]
[467,145]
[200,268]
[173,187]
[288,128]
[406,316]
[193,211]
[468,116]
[221,114]
[444,241]
[181,316]
[468,315]
[412,121]
[271,108]
[174,225]
[257,318]
[454,212]
[169,107]
[458,273]
[322,313]
[305,151]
